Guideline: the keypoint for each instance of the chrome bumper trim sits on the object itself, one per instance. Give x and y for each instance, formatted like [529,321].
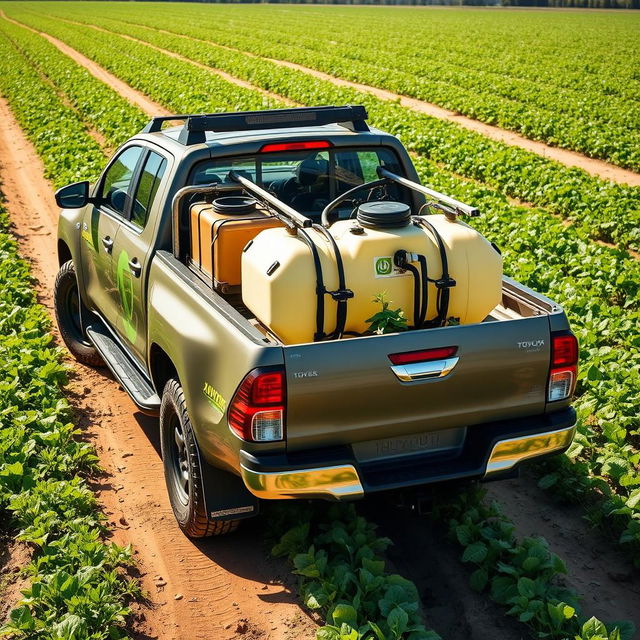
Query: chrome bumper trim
[339,482]
[424,370]
[507,453]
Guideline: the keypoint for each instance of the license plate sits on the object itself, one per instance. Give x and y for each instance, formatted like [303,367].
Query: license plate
[431,442]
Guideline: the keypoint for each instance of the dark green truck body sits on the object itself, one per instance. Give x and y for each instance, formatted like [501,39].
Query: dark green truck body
[352,426]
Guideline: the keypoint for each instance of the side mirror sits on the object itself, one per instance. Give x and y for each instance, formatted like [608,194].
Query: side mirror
[73,196]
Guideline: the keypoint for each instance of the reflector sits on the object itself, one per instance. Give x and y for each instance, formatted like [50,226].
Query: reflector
[423,355]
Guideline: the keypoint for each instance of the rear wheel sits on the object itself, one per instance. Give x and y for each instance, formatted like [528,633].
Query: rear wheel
[182,468]
[67,305]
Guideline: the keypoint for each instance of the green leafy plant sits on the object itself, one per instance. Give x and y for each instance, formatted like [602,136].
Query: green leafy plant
[78,586]
[520,575]
[386,320]
[340,561]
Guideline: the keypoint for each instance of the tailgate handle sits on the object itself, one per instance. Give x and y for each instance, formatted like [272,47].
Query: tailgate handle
[424,370]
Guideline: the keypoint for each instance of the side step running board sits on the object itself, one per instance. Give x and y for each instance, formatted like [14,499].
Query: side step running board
[126,373]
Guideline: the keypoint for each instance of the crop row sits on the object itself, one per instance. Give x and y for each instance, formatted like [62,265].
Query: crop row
[605,211]
[586,120]
[164,79]
[51,126]
[538,250]
[340,561]
[76,586]
[96,104]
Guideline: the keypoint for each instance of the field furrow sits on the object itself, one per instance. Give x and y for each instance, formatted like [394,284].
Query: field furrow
[566,116]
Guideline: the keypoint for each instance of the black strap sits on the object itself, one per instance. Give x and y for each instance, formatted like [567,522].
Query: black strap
[446,281]
[342,294]
[320,290]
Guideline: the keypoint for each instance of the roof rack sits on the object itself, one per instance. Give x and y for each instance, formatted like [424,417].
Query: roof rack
[196,125]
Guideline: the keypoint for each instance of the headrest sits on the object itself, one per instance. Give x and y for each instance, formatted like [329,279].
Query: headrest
[206,177]
[310,170]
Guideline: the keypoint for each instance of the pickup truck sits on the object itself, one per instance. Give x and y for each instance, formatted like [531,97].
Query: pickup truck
[349,421]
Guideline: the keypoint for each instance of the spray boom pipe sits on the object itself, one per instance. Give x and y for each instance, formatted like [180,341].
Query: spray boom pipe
[450,206]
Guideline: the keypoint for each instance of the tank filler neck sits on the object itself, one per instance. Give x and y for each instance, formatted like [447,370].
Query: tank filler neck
[384,215]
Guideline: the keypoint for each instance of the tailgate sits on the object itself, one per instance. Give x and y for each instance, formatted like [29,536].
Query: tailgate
[344,392]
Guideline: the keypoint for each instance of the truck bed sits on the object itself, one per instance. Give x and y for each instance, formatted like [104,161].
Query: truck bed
[348,391]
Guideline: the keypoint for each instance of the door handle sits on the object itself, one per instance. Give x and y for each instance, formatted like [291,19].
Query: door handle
[424,370]
[107,242]
[135,266]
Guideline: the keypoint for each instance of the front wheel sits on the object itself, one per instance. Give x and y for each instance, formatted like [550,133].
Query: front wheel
[182,468]
[67,305]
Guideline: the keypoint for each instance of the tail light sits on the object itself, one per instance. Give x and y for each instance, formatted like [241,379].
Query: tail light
[564,367]
[295,146]
[409,357]
[257,410]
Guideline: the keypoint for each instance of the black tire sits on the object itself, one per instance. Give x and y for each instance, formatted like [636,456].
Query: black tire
[67,304]
[182,468]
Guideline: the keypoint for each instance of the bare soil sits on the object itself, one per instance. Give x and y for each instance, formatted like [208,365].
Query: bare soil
[14,556]
[215,588]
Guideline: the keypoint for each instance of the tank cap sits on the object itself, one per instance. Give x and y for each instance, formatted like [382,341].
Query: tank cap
[234,205]
[384,215]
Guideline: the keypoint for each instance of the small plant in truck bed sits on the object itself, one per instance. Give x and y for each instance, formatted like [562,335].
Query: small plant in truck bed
[387,320]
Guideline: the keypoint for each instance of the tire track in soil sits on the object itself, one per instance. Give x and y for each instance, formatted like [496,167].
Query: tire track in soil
[593,166]
[227,588]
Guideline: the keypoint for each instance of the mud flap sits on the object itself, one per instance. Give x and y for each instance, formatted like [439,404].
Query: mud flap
[225,496]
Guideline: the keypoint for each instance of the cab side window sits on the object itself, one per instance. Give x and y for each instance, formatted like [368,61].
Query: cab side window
[117,184]
[150,178]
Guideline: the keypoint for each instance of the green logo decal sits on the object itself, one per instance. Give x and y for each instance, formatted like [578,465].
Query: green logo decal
[214,398]
[124,282]
[384,266]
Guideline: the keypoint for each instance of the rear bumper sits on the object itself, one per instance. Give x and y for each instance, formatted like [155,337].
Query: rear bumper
[489,450]
[339,482]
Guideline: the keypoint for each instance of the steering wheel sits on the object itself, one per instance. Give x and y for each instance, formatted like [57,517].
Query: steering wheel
[347,195]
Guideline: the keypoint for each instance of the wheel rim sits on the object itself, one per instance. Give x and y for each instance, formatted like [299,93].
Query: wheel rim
[179,460]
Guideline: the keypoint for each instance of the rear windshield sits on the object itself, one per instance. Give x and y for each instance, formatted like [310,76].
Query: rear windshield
[308,180]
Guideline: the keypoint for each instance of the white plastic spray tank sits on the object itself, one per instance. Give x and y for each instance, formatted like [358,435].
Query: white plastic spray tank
[384,249]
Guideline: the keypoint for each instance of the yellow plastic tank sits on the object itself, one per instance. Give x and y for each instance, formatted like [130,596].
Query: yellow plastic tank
[278,275]
[219,232]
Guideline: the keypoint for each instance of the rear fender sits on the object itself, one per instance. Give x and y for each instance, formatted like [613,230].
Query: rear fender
[210,352]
